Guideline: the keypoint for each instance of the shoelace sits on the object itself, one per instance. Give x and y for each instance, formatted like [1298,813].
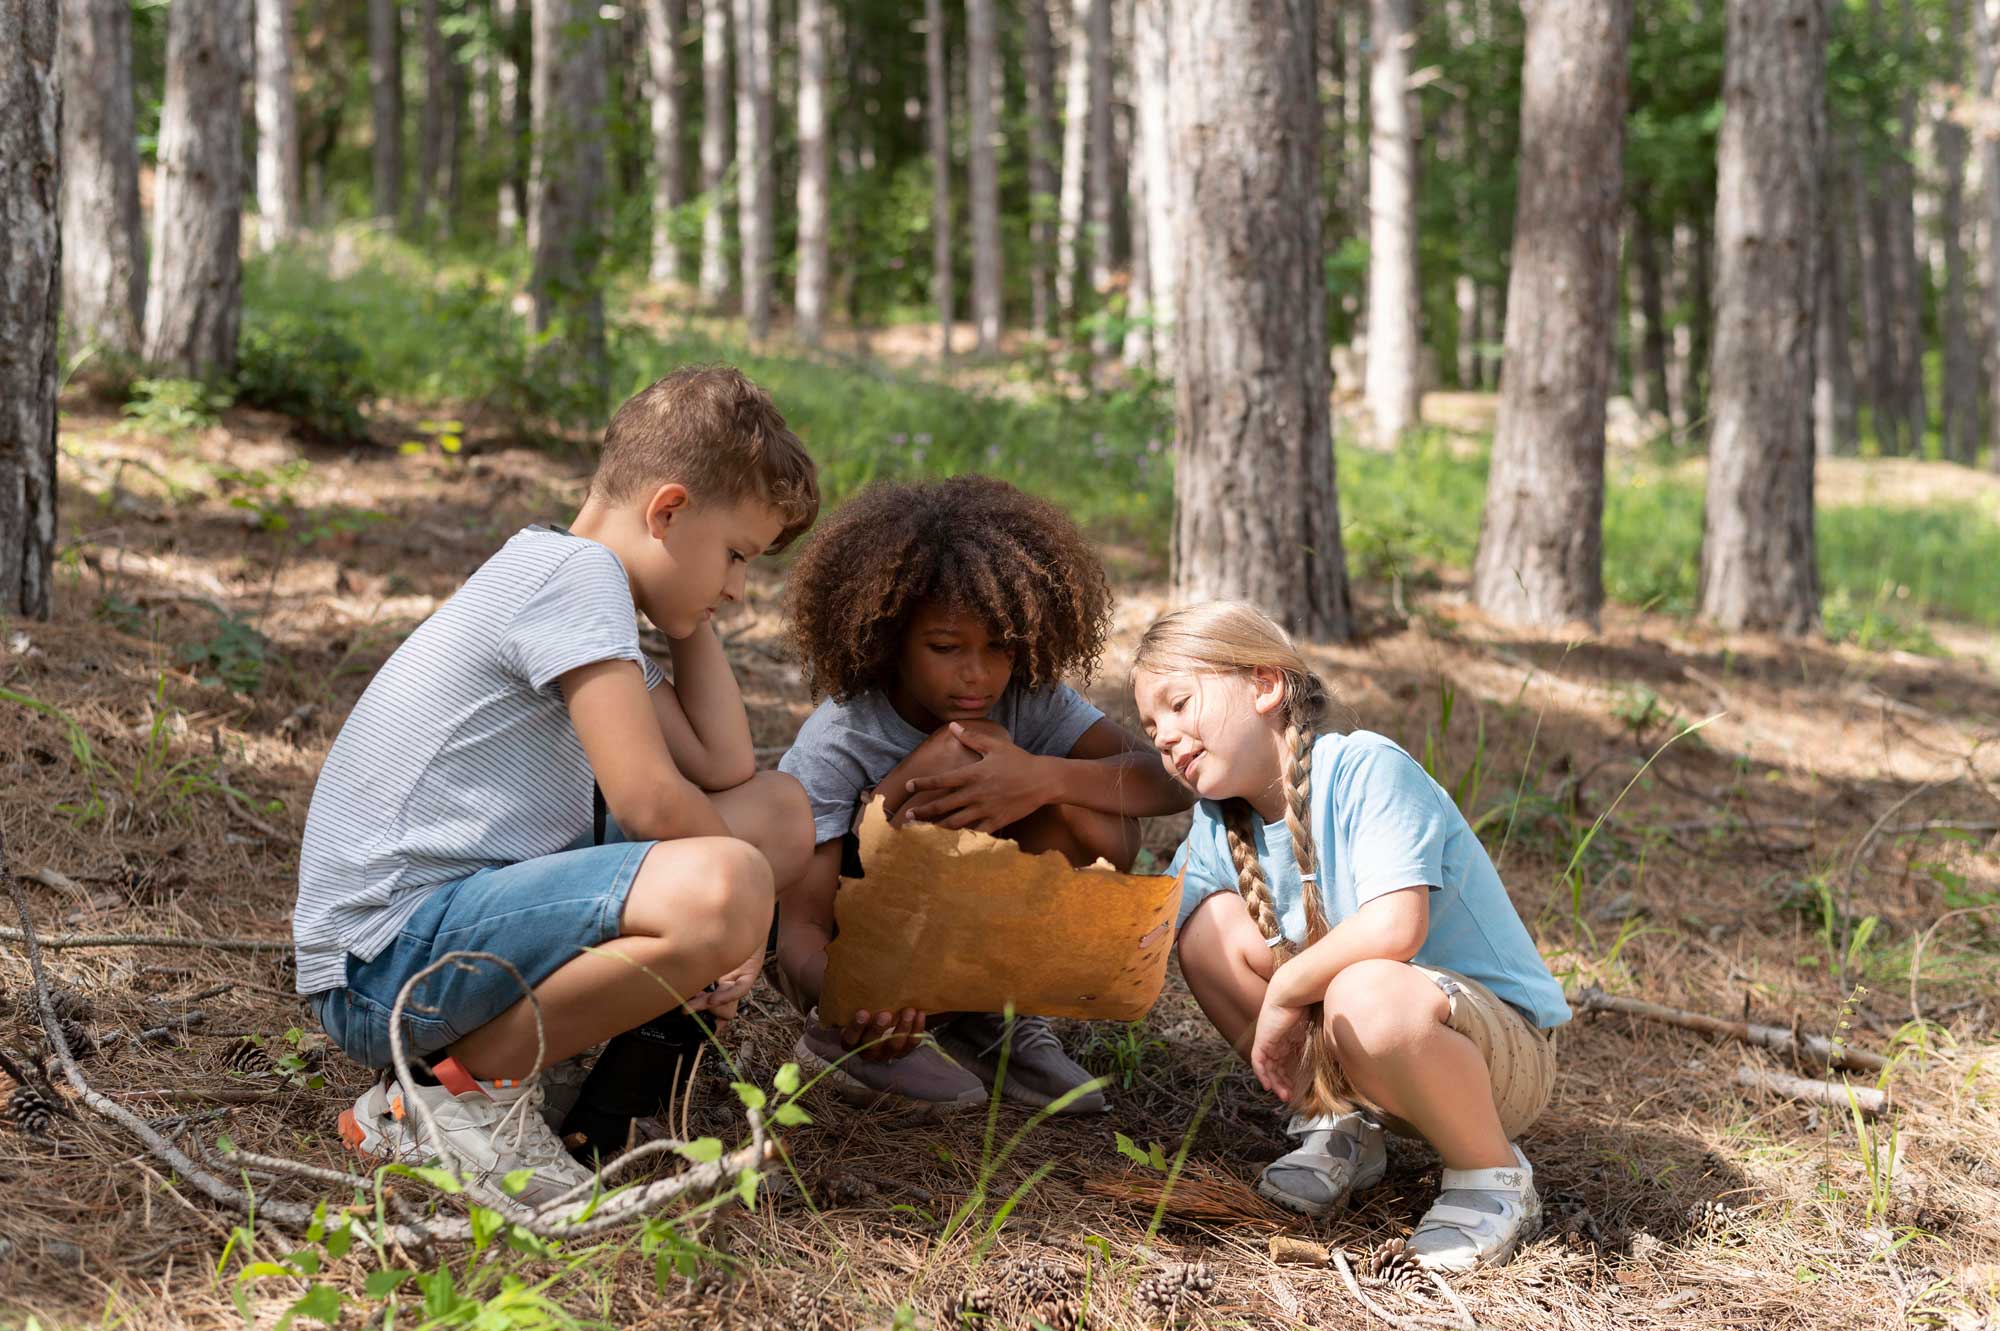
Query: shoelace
[1029,1033]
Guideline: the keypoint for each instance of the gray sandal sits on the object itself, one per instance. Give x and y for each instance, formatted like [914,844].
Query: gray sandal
[1337,1156]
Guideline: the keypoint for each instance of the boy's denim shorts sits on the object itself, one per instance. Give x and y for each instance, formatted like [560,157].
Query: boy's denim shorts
[538,914]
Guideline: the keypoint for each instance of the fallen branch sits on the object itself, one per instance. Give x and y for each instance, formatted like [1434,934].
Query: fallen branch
[1776,1038]
[1833,1094]
[59,941]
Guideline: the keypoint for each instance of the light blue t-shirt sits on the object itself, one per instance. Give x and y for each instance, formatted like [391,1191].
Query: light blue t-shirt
[1382,824]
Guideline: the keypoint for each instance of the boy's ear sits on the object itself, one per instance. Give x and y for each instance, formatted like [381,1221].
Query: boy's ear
[1267,689]
[667,503]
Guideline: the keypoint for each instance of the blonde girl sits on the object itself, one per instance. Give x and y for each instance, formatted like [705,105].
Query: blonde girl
[1345,931]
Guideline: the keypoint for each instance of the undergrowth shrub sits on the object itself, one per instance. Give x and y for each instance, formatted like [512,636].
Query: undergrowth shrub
[307,367]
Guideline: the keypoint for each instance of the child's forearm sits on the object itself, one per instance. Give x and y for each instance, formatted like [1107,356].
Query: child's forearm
[1392,926]
[1131,785]
[711,707]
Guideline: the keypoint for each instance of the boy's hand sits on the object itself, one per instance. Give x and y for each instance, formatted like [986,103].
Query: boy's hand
[1004,786]
[884,1034]
[720,1002]
[1278,1046]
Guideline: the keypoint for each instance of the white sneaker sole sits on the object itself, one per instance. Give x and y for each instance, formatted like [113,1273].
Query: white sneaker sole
[858,1093]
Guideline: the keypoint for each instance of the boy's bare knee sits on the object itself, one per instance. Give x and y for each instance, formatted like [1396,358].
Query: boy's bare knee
[715,894]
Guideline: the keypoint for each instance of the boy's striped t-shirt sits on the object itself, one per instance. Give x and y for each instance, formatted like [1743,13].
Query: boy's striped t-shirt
[460,755]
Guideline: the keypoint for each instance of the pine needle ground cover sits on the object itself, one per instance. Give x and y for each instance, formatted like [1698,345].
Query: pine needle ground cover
[1821,855]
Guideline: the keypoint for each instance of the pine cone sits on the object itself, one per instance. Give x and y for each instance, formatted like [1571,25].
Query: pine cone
[30,1112]
[1392,1266]
[81,1046]
[1038,1281]
[846,1189]
[975,1306]
[1713,1212]
[1175,1285]
[1062,1313]
[247,1056]
[811,1310]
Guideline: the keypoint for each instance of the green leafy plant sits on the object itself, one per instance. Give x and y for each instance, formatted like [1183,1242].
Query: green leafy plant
[174,407]
[234,656]
[307,367]
[1125,1047]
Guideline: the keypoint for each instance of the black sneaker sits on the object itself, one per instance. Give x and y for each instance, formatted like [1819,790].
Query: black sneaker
[634,1077]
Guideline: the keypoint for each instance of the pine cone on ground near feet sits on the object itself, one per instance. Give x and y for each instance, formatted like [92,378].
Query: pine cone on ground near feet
[1391,1266]
[247,1056]
[975,1306]
[1048,1292]
[1712,1212]
[809,1310]
[30,1111]
[1175,1286]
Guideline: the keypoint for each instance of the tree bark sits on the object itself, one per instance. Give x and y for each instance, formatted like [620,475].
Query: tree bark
[1152,77]
[196,288]
[664,26]
[1986,86]
[1757,558]
[1043,181]
[1256,510]
[277,126]
[981,90]
[31,280]
[1836,427]
[814,267]
[1540,557]
[1962,399]
[1390,385]
[433,120]
[1907,273]
[1077,102]
[1138,349]
[566,184]
[715,149]
[1652,305]
[756,172]
[103,257]
[937,112]
[385,95]
[512,107]
[1102,195]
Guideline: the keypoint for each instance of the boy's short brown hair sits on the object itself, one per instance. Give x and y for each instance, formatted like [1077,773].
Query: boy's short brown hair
[714,431]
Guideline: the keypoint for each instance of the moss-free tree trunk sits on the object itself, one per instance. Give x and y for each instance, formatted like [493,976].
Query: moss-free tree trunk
[511,107]
[1390,380]
[1649,379]
[277,126]
[1043,178]
[814,266]
[1077,101]
[1256,512]
[1101,191]
[716,120]
[385,100]
[664,23]
[1986,85]
[983,166]
[566,186]
[1540,557]
[1757,562]
[104,259]
[937,124]
[1836,426]
[756,169]
[30,289]
[195,292]
[1150,78]
[1962,400]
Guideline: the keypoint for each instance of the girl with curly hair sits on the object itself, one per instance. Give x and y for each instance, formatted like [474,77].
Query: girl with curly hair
[938,621]
[1344,929]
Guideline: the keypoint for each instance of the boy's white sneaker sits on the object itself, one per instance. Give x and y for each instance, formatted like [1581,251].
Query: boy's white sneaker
[493,1128]
[1481,1218]
[1337,1156]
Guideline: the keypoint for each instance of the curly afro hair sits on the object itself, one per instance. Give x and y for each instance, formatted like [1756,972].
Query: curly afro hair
[968,542]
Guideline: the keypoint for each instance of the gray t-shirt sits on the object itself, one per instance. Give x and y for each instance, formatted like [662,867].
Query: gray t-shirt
[846,747]
[460,755]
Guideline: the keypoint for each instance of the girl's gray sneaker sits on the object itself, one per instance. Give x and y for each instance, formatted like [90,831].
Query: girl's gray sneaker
[1337,1156]
[1481,1218]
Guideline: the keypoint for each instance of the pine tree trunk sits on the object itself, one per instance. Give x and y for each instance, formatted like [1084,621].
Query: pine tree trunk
[715,149]
[31,281]
[810,296]
[937,112]
[981,90]
[385,93]
[756,169]
[1151,77]
[566,184]
[1877,312]
[1908,320]
[432,119]
[1836,429]
[1043,181]
[103,255]
[1075,159]
[1390,384]
[512,107]
[1257,514]
[1757,559]
[1138,349]
[1652,315]
[664,20]
[1101,193]
[277,126]
[1986,86]
[1540,557]
[196,288]
[1962,398]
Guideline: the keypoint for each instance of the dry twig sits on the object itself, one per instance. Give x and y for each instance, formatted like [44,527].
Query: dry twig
[1779,1038]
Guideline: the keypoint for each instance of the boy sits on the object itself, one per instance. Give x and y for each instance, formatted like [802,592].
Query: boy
[456,809]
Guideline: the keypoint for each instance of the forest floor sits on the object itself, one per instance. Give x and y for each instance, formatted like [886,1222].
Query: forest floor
[1821,855]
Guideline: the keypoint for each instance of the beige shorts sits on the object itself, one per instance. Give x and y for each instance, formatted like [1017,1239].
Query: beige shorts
[1519,1056]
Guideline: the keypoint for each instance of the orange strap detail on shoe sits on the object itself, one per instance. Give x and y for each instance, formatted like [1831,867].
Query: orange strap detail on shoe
[454,1078]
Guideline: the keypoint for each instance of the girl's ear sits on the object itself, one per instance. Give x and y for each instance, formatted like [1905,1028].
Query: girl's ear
[1267,689]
